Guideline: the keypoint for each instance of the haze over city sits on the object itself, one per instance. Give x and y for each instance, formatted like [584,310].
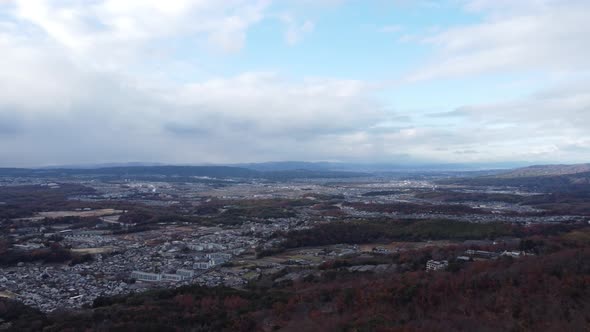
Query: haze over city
[193,82]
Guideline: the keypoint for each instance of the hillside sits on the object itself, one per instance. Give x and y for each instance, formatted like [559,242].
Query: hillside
[546,170]
[546,178]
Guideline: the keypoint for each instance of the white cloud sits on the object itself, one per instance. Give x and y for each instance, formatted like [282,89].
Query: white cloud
[273,106]
[67,95]
[564,109]
[63,112]
[69,91]
[111,28]
[549,125]
[547,36]
[295,31]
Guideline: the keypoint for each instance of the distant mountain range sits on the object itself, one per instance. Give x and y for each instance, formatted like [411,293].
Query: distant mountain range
[321,166]
[378,167]
[102,165]
[178,173]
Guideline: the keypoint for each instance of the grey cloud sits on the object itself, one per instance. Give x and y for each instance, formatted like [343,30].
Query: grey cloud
[86,115]
[582,148]
[467,152]
[10,123]
[186,130]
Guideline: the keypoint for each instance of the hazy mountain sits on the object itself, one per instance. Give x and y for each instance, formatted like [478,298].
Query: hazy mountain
[181,173]
[547,170]
[377,167]
[102,165]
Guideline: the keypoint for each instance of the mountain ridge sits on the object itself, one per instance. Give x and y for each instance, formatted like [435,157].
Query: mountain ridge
[547,170]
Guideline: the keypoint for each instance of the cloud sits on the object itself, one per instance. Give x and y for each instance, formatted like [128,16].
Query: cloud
[562,107]
[79,85]
[70,94]
[548,125]
[545,37]
[83,115]
[10,125]
[295,31]
[515,36]
[277,105]
[116,29]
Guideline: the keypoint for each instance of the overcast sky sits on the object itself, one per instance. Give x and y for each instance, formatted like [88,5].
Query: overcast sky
[223,81]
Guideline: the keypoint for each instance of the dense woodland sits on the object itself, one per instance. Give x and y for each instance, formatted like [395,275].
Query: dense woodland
[53,253]
[459,197]
[412,208]
[23,201]
[388,230]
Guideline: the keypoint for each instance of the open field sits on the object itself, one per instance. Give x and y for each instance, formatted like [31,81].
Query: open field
[81,214]
[93,251]
[7,294]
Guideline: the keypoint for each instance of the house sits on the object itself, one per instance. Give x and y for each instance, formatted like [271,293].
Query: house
[516,254]
[203,265]
[433,265]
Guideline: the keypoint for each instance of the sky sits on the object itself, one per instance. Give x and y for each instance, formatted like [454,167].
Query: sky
[229,81]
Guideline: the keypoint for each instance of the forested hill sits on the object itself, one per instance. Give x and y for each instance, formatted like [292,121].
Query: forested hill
[547,178]
[546,170]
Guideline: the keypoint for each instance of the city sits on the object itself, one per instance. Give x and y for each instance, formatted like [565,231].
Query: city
[116,240]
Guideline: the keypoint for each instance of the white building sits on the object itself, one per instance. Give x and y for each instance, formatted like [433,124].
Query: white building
[218,258]
[196,247]
[516,254]
[433,265]
[145,276]
[186,274]
[171,277]
[202,265]
[214,246]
